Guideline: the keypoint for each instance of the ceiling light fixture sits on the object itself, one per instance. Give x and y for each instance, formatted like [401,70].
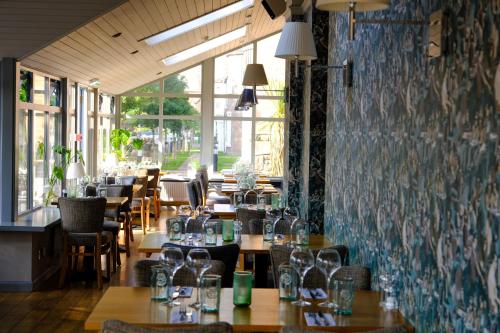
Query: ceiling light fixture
[198,22]
[134,52]
[95,83]
[118,34]
[206,46]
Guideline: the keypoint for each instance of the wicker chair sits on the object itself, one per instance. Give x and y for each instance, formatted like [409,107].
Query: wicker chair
[210,198]
[141,203]
[82,224]
[314,278]
[120,214]
[154,191]
[361,276]
[228,254]
[117,326]
[198,192]
[296,329]
[183,277]
[251,220]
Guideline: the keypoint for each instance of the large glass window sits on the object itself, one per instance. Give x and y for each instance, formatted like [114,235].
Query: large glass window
[106,123]
[175,105]
[38,131]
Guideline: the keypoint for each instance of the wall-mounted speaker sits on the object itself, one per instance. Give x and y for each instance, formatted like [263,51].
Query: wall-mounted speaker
[274,8]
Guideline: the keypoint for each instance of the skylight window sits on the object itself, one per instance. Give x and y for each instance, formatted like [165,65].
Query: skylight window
[206,46]
[199,22]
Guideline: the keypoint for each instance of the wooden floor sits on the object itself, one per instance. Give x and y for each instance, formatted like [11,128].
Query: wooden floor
[55,310]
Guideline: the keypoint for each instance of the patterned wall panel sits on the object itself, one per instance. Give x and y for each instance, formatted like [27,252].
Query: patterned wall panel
[413,161]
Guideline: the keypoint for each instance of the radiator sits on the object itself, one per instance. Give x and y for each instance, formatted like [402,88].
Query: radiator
[174,193]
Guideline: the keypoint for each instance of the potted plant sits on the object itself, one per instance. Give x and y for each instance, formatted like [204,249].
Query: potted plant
[122,143]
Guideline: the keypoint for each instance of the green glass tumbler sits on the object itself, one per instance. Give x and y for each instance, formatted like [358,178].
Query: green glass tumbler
[227,231]
[242,288]
[343,295]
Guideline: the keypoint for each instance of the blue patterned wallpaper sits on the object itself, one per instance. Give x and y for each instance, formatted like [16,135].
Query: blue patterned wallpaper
[413,161]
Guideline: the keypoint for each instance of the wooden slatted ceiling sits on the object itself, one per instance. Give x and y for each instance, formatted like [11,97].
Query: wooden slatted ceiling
[90,51]
[27,26]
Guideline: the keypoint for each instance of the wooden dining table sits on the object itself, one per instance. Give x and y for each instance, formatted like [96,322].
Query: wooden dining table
[228,211]
[230,189]
[249,244]
[267,313]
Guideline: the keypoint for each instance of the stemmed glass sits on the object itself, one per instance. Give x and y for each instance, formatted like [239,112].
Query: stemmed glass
[184,213]
[172,259]
[302,260]
[198,261]
[328,262]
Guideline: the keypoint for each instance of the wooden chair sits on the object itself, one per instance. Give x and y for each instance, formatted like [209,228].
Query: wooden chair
[154,190]
[141,203]
[82,223]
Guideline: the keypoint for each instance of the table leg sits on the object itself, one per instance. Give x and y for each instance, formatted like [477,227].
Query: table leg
[261,266]
[127,233]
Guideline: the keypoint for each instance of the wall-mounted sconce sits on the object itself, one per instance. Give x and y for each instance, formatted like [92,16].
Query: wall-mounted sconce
[352,6]
[296,44]
[255,75]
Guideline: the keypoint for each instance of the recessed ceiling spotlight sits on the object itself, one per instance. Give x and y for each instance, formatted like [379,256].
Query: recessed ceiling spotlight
[134,52]
[118,34]
[158,73]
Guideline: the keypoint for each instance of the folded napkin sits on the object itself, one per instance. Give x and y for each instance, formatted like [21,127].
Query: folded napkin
[177,318]
[317,293]
[315,319]
[184,292]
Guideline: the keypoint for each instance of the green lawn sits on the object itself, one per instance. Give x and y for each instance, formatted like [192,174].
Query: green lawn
[225,161]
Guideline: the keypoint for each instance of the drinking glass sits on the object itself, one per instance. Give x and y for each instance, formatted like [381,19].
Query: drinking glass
[302,260]
[210,293]
[287,282]
[268,230]
[343,292]
[198,261]
[172,259]
[238,199]
[210,229]
[261,201]
[228,230]
[389,292]
[328,262]
[174,228]
[275,200]
[188,237]
[242,288]
[237,227]
[300,230]
[159,284]
[184,213]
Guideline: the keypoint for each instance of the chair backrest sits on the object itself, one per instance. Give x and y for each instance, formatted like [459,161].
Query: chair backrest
[155,172]
[251,197]
[117,326]
[121,191]
[202,177]
[110,180]
[192,196]
[361,276]
[281,254]
[82,215]
[90,191]
[198,191]
[183,277]
[128,180]
[251,220]
[228,254]
[144,190]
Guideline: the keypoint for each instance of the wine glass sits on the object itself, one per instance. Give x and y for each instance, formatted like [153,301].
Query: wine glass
[198,261]
[184,213]
[172,259]
[302,260]
[328,262]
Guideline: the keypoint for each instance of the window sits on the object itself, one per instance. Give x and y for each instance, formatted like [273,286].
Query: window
[166,115]
[39,130]
[169,115]
[106,123]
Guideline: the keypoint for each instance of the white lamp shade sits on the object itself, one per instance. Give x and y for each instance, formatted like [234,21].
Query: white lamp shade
[75,170]
[255,75]
[296,42]
[360,5]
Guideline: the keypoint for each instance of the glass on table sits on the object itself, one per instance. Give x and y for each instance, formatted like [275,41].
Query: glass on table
[198,261]
[242,288]
[237,228]
[159,284]
[328,262]
[210,229]
[343,295]
[302,260]
[184,212]
[300,231]
[389,292]
[171,258]
[268,230]
[288,282]
[228,230]
[238,199]
[210,293]
[275,200]
[175,226]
